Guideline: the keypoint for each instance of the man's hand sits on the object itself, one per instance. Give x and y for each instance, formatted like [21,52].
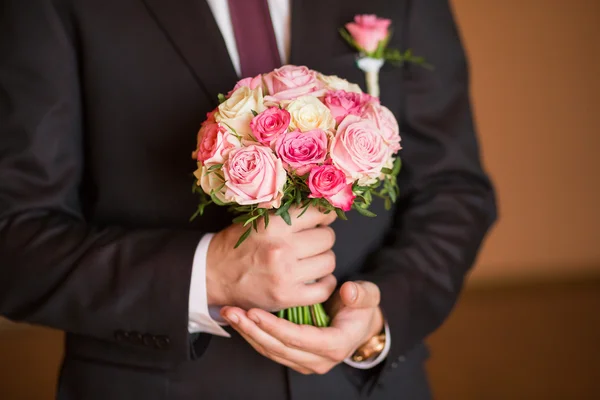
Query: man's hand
[305,348]
[269,270]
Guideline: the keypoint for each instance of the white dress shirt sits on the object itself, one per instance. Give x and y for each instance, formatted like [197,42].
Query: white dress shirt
[202,317]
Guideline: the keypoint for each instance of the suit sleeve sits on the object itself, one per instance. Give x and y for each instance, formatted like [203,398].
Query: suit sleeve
[56,269]
[447,202]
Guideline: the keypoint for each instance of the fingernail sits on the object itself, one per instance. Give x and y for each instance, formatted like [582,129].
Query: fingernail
[255,319]
[353,292]
[233,318]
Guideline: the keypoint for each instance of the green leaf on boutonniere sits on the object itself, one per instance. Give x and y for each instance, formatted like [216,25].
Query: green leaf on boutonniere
[381,47]
[221,98]
[348,38]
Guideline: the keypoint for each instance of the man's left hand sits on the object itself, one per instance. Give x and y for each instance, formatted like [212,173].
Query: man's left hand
[308,349]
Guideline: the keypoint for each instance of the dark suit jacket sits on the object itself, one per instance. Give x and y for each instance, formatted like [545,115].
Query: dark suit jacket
[100,102]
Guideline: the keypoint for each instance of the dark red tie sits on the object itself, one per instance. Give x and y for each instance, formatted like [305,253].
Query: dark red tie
[254,36]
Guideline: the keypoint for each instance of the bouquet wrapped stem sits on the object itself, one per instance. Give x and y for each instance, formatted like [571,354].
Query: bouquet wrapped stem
[306,315]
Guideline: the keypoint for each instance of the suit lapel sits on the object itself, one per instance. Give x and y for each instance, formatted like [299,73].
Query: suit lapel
[191,28]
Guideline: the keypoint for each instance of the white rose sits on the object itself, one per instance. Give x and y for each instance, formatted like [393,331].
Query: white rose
[236,111]
[309,113]
[210,181]
[333,82]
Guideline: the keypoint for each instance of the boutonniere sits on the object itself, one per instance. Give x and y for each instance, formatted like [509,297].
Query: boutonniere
[370,35]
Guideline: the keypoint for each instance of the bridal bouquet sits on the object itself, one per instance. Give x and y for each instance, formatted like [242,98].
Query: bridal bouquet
[295,137]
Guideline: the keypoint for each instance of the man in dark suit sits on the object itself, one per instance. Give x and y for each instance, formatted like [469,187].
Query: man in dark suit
[99,105]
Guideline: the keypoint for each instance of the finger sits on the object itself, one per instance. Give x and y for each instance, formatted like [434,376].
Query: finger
[313,293]
[271,346]
[310,242]
[264,353]
[314,268]
[360,294]
[310,219]
[326,342]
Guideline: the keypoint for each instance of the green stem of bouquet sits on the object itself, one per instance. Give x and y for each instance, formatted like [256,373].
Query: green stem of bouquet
[306,315]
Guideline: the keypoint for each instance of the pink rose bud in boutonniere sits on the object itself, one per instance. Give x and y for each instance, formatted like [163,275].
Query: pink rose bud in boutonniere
[329,182]
[301,151]
[290,82]
[386,122]
[368,30]
[342,103]
[270,124]
[253,175]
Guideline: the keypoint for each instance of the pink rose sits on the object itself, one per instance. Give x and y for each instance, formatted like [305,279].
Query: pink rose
[300,151]
[368,30]
[252,83]
[342,103]
[269,124]
[253,175]
[213,143]
[386,122]
[290,82]
[359,150]
[329,182]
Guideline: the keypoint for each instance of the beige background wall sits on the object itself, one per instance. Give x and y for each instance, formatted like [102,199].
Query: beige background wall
[536,92]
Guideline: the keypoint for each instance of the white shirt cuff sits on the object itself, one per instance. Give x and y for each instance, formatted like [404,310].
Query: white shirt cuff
[372,363]
[199,314]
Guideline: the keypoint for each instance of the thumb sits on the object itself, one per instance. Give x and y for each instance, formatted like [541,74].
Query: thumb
[360,294]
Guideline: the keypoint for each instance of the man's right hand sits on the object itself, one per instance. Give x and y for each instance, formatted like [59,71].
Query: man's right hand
[271,268]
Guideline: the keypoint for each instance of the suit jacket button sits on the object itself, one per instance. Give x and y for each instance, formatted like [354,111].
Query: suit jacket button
[120,336]
[136,337]
[162,342]
[148,340]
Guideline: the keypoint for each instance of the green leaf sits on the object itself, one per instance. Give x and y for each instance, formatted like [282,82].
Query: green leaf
[221,98]
[286,217]
[397,166]
[254,113]
[215,167]
[243,237]
[388,204]
[240,219]
[348,38]
[341,214]
[266,219]
[393,196]
[386,171]
[284,208]
[304,209]
[251,219]
[365,212]
[231,128]
[381,46]
[298,198]
[216,200]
